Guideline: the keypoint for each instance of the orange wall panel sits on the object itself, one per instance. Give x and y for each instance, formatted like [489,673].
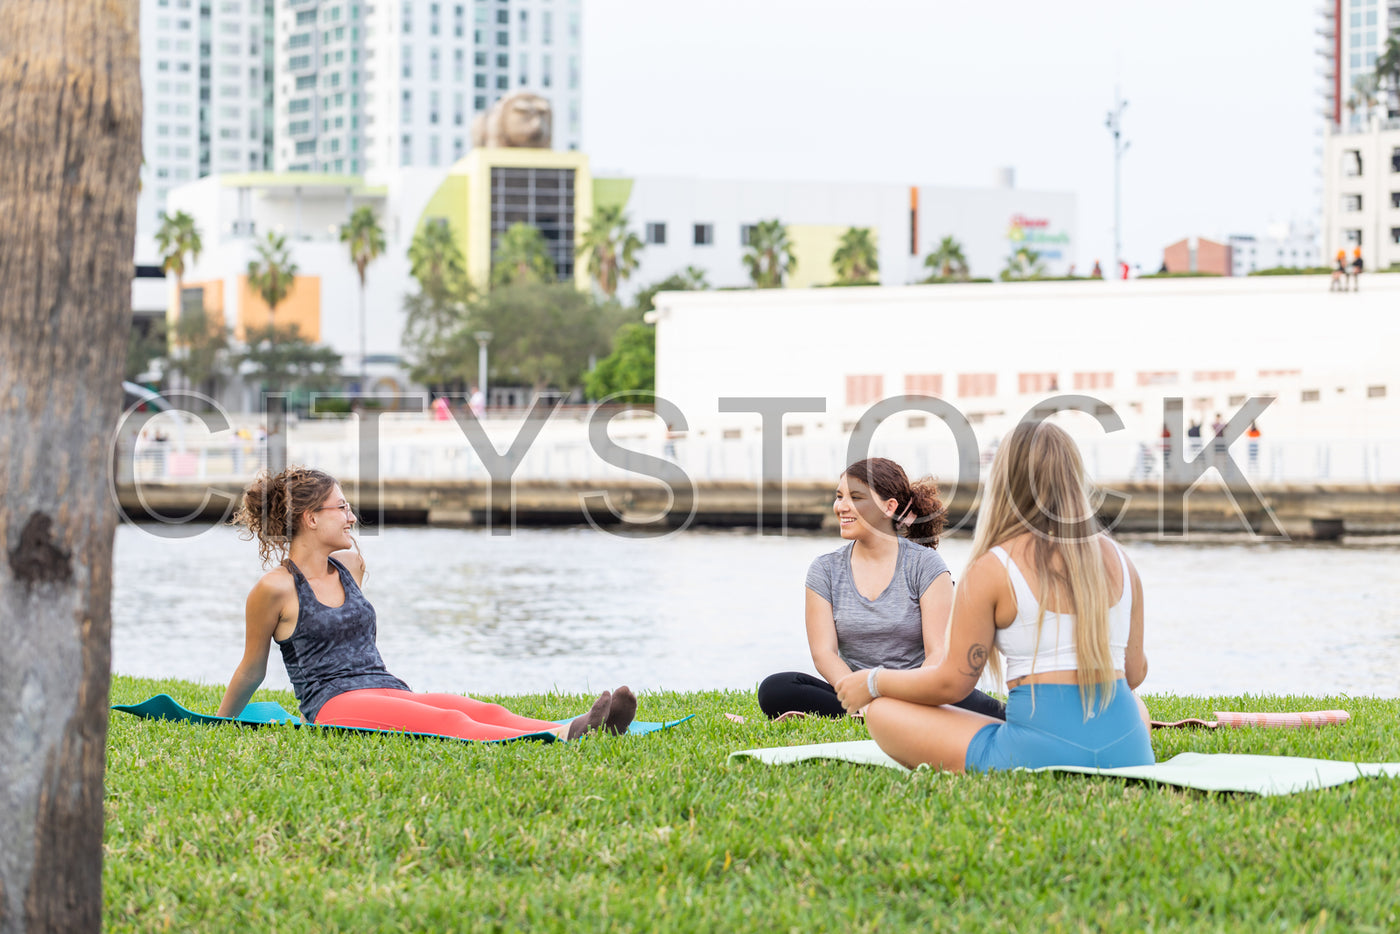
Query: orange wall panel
[301,307]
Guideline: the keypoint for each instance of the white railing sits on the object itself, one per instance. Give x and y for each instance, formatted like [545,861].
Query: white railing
[1363,461]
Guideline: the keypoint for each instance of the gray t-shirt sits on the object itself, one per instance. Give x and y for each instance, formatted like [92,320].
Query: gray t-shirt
[888,630]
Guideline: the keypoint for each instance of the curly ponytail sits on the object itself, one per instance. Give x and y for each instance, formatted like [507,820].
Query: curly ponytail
[273,503]
[920,514]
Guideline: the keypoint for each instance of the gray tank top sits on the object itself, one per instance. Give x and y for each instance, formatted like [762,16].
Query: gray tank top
[332,649]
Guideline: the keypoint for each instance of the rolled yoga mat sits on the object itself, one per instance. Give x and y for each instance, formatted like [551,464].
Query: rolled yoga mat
[268,713]
[1259,775]
[1236,720]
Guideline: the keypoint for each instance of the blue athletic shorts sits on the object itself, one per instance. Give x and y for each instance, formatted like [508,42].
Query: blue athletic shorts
[1057,733]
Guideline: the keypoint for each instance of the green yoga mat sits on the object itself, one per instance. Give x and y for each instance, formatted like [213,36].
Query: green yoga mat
[268,713]
[1260,775]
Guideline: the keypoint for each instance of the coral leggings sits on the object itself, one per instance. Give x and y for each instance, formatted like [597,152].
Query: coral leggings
[440,714]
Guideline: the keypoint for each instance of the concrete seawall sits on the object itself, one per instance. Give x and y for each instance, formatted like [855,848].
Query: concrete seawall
[1301,511]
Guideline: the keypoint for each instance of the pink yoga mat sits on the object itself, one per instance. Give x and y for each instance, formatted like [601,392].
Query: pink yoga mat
[1234,719]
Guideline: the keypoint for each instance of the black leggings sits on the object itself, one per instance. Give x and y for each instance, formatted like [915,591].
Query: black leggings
[794,690]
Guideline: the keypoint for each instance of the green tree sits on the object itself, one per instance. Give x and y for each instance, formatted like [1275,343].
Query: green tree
[521,256]
[1388,73]
[435,260]
[856,259]
[272,273]
[199,348]
[692,279]
[177,237]
[769,258]
[544,335]
[439,309]
[282,360]
[144,347]
[630,366]
[365,239]
[947,261]
[1023,263]
[610,248]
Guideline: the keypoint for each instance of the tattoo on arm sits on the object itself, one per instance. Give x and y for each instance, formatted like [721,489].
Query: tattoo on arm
[976,660]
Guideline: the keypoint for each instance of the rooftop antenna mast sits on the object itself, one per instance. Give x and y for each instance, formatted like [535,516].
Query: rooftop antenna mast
[1120,146]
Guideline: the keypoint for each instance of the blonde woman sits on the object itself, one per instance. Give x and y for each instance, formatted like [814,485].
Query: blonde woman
[1053,596]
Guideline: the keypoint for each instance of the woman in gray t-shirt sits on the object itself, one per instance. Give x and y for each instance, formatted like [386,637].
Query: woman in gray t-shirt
[883,599]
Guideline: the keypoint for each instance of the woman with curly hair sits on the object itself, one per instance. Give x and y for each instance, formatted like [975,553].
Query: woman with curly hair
[1050,593]
[311,606]
[879,600]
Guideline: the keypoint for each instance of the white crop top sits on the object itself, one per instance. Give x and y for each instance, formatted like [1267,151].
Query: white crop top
[1017,641]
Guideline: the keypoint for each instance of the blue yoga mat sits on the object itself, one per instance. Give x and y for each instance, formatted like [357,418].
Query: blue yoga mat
[269,713]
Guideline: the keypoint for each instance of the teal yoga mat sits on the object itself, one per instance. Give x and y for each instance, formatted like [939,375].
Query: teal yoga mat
[1260,775]
[268,713]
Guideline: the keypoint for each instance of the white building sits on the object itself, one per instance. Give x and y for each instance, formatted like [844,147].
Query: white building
[207,95]
[1290,246]
[1361,194]
[364,89]
[1353,36]
[994,351]
[705,223]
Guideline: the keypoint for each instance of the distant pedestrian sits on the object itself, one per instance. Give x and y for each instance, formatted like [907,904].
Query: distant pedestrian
[1097,271]
[1193,435]
[1166,446]
[442,409]
[1253,434]
[477,402]
[1356,266]
[1339,273]
[1217,427]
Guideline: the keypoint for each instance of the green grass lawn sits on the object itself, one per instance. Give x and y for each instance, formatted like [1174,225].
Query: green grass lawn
[277,829]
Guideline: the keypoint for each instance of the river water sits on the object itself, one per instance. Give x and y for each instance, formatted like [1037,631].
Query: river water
[581,610]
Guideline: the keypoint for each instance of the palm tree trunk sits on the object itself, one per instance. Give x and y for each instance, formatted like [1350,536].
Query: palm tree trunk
[364,367]
[70,130]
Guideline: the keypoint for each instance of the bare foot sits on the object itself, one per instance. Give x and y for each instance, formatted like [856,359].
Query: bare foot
[623,709]
[593,720]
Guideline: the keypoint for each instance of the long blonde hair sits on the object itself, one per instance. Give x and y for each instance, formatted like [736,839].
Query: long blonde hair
[1038,485]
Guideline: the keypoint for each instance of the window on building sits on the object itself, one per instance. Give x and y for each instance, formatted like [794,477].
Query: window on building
[546,71]
[1395,199]
[1157,377]
[977,384]
[479,103]
[746,232]
[1037,382]
[704,234]
[1352,236]
[1213,376]
[503,17]
[1093,379]
[656,233]
[502,37]
[1312,395]
[1375,392]
[1351,162]
[502,60]
[546,27]
[923,384]
[1395,235]
[524,26]
[479,80]
[1395,159]
[1351,202]
[864,388]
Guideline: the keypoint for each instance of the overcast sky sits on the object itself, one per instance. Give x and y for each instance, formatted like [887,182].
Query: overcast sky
[1222,112]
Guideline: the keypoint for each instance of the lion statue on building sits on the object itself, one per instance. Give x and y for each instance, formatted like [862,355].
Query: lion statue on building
[522,120]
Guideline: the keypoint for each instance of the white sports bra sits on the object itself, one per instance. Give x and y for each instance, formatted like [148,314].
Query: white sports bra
[1017,641]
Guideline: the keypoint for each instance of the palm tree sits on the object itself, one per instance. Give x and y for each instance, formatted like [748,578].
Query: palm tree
[1388,72]
[521,256]
[271,275]
[694,279]
[435,260]
[176,237]
[366,240]
[947,261]
[856,260]
[769,258]
[1023,263]
[610,247]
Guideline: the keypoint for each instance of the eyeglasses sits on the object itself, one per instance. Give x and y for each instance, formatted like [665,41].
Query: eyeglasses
[343,507]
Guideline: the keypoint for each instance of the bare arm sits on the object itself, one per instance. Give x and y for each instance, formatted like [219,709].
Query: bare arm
[821,639]
[934,607]
[1135,662]
[969,644]
[262,613]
